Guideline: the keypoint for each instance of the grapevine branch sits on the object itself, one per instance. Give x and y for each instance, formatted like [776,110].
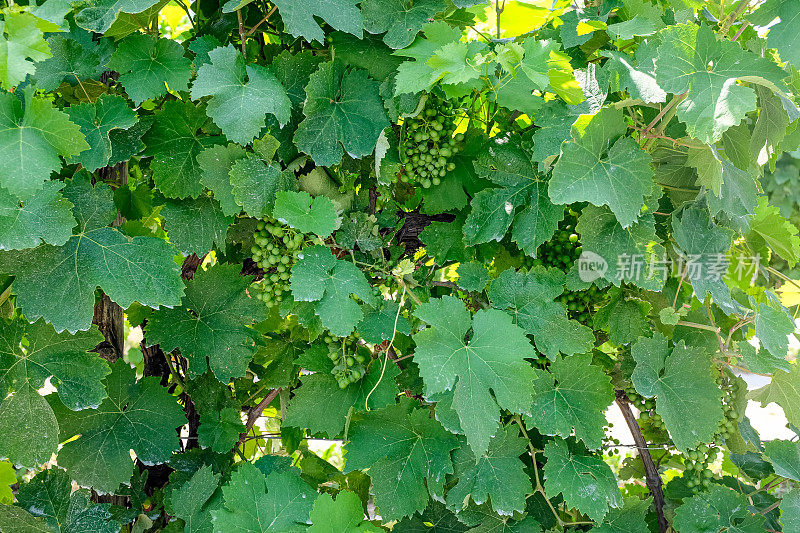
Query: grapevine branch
[652,478]
[254,413]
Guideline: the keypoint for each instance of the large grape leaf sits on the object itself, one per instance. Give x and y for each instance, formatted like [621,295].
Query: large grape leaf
[773,328]
[343,109]
[298,17]
[769,228]
[632,255]
[97,120]
[321,406]
[530,299]
[328,282]
[585,481]
[400,19]
[255,184]
[72,61]
[139,416]
[681,380]
[138,269]
[148,65]
[190,501]
[306,214]
[32,137]
[21,44]
[498,476]
[241,95]
[215,163]
[701,240]
[280,502]
[783,36]
[44,217]
[174,141]
[783,391]
[491,361]
[415,76]
[195,225]
[572,394]
[99,15]
[208,327]
[345,515]
[49,496]
[30,354]
[785,458]
[692,60]
[719,509]
[603,167]
[401,448]
[629,519]
[521,199]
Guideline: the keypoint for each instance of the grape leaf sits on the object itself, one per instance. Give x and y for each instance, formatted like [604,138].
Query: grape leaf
[174,142]
[138,269]
[773,327]
[215,163]
[321,406]
[785,458]
[345,515]
[195,226]
[220,431]
[691,60]
[148,65]
[71,61]
[21,44]
[499,476]
[97,121]
[343,108]
[435,519]
[255,185]
[128,143]
[16,520]
[30,354]
[298,17]
[44,217]
[189,501]
[359,230]
[380,323]
[99,15]
[602,167]
[31,140]
[629,519]
[768,227]
[624,75]
[719,509]
[783,35]
[681,380]
[400,19]
[790,510]
[249,507]
[306,214]
[8,477]
[738,197]
[492,360]
[241,95]
[473,276]
[634,254]
[704,242]
[625,317]
[452,63]
[554,123]
[328,282]
[530,300]
[208,325]
[402,447]
[521,199]
[415,76]
[572,394]
[139,416]
[783,391]
[585,481]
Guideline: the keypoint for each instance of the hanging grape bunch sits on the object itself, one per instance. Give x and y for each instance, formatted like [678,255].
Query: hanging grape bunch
[429,144]
[561,252]
[348,358]
[731,400]
[275,251]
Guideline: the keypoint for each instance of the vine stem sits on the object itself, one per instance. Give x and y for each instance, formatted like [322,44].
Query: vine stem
[652,478]
[262,21]
[388,347]
[242,33]
[254,413]
[174,372]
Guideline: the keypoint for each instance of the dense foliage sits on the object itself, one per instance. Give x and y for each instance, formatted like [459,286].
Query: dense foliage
[390,262]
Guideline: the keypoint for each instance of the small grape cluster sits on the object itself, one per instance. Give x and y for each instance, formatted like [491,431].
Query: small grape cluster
[648,418]
[348,362]
[696,467]
[275,251]
[730,405]
[429,144]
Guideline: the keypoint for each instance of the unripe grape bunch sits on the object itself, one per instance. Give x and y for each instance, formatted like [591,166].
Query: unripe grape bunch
[348,358]
[275,251]
[429,144]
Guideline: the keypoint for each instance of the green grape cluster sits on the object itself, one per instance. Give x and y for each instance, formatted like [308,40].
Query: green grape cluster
[696,467]
[429,144]
[347,359]
[275,251]
[730,406]
[561,252]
